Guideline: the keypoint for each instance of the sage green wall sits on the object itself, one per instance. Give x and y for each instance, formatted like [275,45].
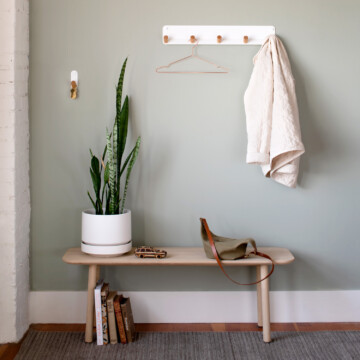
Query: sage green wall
[192,160]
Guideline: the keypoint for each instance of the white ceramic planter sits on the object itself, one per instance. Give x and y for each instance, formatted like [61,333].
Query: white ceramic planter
[105,234]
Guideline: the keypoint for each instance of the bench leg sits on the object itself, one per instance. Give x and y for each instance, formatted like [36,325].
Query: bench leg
[259,303]
[90,303]
[265,304]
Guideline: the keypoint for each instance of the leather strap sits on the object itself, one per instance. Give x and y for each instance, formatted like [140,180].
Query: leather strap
[255,252]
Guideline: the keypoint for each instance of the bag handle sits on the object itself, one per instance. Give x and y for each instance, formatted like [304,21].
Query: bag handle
[255,252]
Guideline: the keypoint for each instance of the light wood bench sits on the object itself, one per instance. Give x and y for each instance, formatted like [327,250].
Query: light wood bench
[182,256]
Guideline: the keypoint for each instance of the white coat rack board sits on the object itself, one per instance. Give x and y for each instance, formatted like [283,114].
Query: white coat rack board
[215,35]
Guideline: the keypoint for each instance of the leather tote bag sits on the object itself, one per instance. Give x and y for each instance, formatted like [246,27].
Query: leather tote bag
[222,248]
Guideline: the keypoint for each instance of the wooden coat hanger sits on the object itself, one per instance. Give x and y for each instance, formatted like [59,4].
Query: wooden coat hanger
[161,70]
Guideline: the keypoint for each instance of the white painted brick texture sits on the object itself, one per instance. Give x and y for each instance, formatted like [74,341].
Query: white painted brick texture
[14,169]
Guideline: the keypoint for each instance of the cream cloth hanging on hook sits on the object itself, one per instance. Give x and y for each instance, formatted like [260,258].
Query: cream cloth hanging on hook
[272,116]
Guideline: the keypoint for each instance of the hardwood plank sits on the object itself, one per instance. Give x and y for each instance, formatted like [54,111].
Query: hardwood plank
[10,351]
[347,326]
[212,327]
[166,327]
[282,327]
[58,327]
[172,327]
[3,349]
[242,327]
[218,327]
[255,327]
[178,256]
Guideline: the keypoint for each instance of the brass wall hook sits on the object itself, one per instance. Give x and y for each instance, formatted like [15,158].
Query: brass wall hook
[74,84]
[73,91]
[192,39]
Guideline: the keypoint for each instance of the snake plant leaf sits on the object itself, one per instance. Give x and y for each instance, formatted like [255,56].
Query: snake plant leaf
[96,180]
[96,175]
[118,205]
[119,89]
[92,201]
[106,173]
[95,186]
[128,172]
[103,193]
[104,153]
[99,207]
[122,115]
[95,164]
[115,138]
[115,150]
[107,207]
[127,161]
[122,127]
[106,181]
[112,174]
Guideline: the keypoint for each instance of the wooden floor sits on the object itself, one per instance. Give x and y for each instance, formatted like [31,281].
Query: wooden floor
[9,351]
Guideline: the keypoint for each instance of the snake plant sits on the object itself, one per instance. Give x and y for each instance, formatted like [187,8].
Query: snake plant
[108,193]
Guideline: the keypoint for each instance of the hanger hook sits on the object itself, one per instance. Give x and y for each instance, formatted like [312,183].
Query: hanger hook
[194,47]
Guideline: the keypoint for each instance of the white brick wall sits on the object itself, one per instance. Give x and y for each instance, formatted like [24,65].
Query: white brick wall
[14,169]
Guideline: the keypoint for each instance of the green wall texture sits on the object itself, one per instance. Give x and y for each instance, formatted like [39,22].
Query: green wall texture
[192,160]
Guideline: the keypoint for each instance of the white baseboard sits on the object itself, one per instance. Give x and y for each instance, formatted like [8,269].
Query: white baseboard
[204,306]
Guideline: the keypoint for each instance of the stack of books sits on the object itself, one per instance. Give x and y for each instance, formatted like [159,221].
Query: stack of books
[114,318]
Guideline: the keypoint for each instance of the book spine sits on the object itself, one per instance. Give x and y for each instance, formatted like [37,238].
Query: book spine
[128,322]
[131,321]
[104,323]
[120,321]
[111,321]
[98,313]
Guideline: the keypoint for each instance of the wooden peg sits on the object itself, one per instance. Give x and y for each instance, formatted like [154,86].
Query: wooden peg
[192,39]
[73,90]
[219,39]
[166,39]
[246,39]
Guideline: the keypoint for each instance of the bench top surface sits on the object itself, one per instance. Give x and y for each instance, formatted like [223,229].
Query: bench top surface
[178,256]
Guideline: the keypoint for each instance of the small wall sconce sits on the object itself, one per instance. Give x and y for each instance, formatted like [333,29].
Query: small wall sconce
[166,39]
[74,84]
[192,39]
[246,39]
[219,39]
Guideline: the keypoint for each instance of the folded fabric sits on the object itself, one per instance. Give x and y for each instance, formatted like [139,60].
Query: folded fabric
[272,116]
